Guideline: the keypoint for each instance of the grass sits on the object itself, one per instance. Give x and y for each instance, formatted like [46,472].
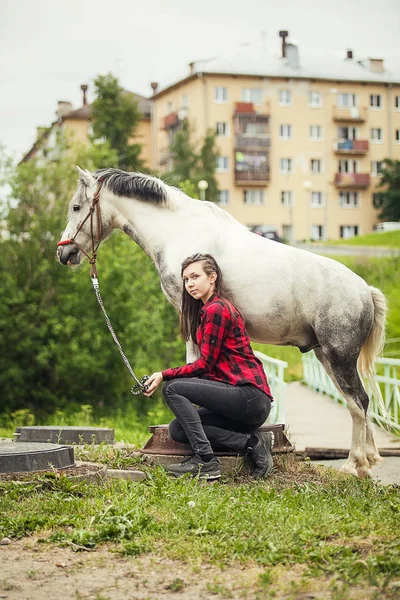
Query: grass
[307,518]
[384,238]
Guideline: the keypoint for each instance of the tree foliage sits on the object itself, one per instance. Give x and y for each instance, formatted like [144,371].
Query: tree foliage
[116,116]
[55,349]
[390,181]
[191,163]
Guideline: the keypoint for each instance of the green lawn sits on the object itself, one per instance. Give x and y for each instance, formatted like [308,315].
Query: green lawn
[386,238]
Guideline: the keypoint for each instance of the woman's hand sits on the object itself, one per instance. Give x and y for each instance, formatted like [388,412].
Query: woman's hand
[152,383]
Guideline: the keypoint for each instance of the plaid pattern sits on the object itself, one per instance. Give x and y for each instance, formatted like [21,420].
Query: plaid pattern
[225,351]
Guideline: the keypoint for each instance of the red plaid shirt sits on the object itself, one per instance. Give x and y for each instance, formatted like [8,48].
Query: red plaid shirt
[225,351]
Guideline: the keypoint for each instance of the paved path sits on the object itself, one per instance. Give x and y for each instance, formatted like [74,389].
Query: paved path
[314,420]
[331,250]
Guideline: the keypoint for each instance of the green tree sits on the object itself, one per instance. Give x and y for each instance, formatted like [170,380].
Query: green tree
[55,349]
[191,163]
[116,115]
[390,181]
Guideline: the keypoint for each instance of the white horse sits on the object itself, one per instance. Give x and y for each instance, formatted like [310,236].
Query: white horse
[287,296]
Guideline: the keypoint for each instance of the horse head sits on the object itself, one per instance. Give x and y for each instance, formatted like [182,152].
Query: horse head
[87,223]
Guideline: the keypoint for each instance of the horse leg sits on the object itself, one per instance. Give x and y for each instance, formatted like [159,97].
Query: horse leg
[344,375]
[374,458]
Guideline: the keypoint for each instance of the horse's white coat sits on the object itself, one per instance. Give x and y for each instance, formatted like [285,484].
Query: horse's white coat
[287,296]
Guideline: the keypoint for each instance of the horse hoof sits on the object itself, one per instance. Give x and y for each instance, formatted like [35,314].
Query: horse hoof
[349,469]
[364,472]
[374,459]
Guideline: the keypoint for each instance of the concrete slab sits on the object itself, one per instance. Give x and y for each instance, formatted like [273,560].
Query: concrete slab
[26,457]
[314,420]
[63,434]
[127,474]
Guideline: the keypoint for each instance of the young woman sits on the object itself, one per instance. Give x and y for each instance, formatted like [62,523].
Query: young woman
[227,382]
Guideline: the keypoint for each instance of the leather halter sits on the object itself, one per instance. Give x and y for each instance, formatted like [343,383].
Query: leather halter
[94,207]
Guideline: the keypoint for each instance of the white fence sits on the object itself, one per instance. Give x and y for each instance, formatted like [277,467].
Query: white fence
[275,371]
[315,376]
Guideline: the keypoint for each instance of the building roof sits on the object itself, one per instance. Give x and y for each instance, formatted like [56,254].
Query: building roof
[85,112]
[255,60]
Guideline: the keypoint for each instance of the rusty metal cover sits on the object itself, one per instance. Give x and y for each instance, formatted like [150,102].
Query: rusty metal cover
[161,443]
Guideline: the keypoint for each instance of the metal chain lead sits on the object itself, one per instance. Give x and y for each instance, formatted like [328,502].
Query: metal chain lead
[141,384]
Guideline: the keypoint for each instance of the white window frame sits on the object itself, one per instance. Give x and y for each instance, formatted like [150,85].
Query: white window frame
[375,102]
[316,129]
[315,99]
[287,198]
[286,166]
[285,97]
[255,195]
[221,94]
[349,165]
[349,200]
[349,227]
[224,167]
[168,108]
[313,163]
[285,131]
[375,172]
[321,232]
[320,202]
[223,197]
[184,101]
[397,103]
[222,131]
[343,98]
[378,139]
[352,132]
[397,136]
[253,95]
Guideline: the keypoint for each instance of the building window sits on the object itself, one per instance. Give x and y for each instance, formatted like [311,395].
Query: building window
[376,134]
[255,128]
[348,166]
[349,199]
[223,197]
[376,167]
[184,101]
[316,165]
[253,95]
[347,133]
[285,97]
[286,165]
[287,233]
[314,99]
[317,199]
[222,129]
[169,108]
[377,200]
[346,100]
[285,132]
[397,102]
[255,197]
[222,164]
[348,231]
[221,94]
[397,136]
[317,232]
[315,132]
[287,198]
[375,101]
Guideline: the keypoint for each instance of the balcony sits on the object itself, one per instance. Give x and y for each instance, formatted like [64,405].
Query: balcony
[351,147]
[352,180]
[250,177]
[352,114]
[245,141]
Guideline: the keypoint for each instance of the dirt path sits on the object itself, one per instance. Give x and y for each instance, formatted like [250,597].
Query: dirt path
[35,571]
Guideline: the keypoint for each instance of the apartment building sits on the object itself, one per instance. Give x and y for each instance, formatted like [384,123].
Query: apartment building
[76,127]
[301,142]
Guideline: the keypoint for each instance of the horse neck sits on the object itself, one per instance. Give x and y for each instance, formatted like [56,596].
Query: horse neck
[152,226]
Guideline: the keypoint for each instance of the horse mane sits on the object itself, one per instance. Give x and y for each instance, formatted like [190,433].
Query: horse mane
[133,185]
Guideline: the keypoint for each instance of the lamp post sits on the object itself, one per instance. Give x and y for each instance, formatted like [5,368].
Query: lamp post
[202,185]
[307,185]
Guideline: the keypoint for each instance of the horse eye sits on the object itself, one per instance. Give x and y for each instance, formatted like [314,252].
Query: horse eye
[76,207]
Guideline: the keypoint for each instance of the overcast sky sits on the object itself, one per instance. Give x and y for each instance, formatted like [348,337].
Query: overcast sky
[50,47]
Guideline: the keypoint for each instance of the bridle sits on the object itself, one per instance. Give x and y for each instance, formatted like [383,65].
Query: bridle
[95,238]
[95,241]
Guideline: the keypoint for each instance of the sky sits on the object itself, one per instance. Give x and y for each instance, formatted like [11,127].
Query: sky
[48,48]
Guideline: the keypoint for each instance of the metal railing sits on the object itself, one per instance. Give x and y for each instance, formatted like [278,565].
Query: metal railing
[315,376]
[275,371]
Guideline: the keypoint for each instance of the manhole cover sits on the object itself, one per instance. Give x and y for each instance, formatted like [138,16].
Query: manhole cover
[59,434]
[25,457]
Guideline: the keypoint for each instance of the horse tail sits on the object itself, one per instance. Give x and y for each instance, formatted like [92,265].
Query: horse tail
[375,342]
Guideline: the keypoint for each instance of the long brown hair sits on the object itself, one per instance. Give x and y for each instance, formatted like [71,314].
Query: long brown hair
[190,307]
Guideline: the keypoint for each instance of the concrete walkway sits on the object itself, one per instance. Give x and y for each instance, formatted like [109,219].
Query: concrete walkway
[314,420]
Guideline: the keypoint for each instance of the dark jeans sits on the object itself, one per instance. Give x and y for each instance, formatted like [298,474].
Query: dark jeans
[227,416]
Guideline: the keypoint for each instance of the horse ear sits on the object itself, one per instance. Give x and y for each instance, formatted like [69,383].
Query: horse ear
[86,177]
